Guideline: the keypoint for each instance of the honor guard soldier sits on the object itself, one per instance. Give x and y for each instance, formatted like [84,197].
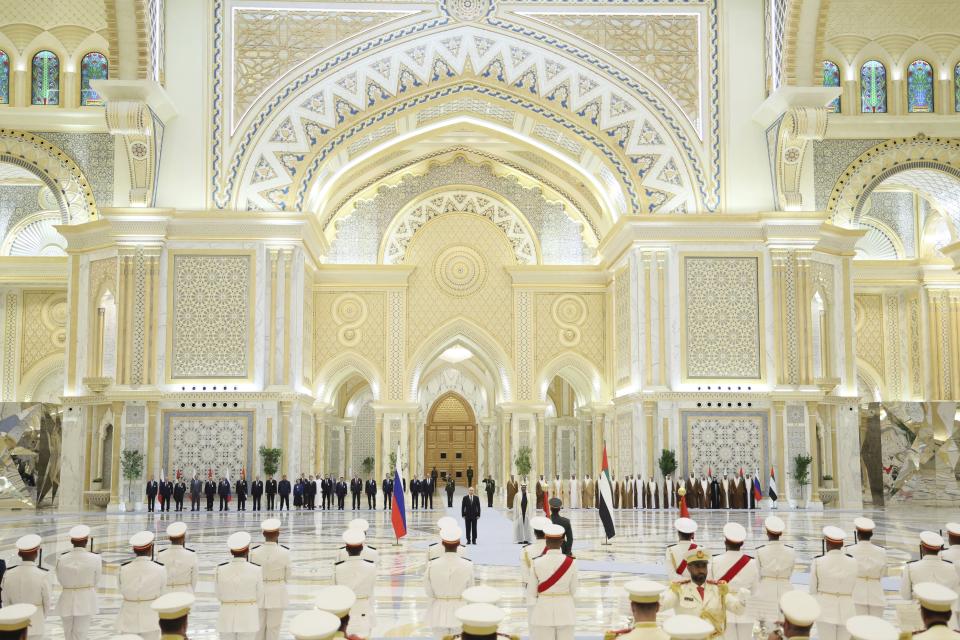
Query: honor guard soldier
[480,621]
[141,581]
[929,568]
[315,625]
[832,579]
[553,584]
[368,552]
[446,578]
[644,605]
[798,611]
[173,609]
[28,583]
[359,575]
[685,627]
[482,594]
[78,571]
[238,585]
[871,628]
[937,603]
[274,560]
[742,574]
[338,601]
[868,598]
[703,598]
[776,561]
[14,621]
[435,549]
[675,554]
[531,551]
[555,505]
[181,563]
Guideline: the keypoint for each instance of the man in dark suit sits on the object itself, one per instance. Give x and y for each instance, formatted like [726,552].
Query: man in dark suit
[209,490]
[284,488]
[179,490]
[434,476]
[371,490]
[166,493]
[491,486]
[311,493]
[415,491]
[152,489]
[470,475]
[556,518]
[271,491]
[341,490]
[196,490]
[256,491]
[426,492]
[451,487]
[326,487]
[241,489]
[223,490]
[387,486]
[356,488]
[470,511]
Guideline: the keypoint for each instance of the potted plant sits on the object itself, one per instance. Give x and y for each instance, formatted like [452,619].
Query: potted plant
[367,465]
[828,481]
[667,462]
[522,462]
[801,475]
[270,458]
[393,461]
[131,464]
[96,484]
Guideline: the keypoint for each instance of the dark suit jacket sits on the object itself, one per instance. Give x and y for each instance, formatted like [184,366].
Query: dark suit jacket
[271,487]
[152,488]
[567,546]
[470,508]
[210,488]
[356,485]
[241,488]
[371,487]
[196,487]
[166,489]
[341,489]
[223,488]
[283,487]
[387,486]
[256,488]
[179,490]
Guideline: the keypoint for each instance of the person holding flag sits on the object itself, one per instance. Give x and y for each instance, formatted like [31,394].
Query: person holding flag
[398,513]
[605,498]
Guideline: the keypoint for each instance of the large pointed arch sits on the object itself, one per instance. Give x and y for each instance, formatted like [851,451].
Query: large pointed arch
[582,375]
[338,369]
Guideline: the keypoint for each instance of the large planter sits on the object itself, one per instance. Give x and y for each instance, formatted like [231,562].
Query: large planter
[801,503]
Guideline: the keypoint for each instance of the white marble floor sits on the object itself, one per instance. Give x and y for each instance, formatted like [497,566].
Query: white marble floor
[313,537]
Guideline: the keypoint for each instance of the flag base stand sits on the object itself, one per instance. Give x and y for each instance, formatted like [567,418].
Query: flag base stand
[606,542]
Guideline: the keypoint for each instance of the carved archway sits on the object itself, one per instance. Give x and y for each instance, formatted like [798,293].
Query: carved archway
[450,438]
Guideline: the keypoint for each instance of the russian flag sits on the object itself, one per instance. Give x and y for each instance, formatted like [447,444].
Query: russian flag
[757,489]
[398,514]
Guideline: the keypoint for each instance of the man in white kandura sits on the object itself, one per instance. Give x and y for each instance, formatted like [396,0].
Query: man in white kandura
[776,561]
[832,579]
[360,575]
[574,490]
[274,561]
[871,560]
[930,568]
[553,584]
[79,572]
[523,512]
[28,583]
[742,574]
[183,568]
[141,581]
[238,585]
[444,582]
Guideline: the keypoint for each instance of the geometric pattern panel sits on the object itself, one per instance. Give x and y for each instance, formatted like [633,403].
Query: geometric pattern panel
[211,298]
[725,442]
[349,321]
[868,314]
[200,442]
[44,327]
[722,303]
[570,322]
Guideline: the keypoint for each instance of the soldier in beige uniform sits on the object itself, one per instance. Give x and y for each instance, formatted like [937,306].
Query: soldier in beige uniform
[141,581]
[832,579]
[78,571]
[952,554]
[360,575]
[28,583]
[929,568]
[368,552]
[798,612]
[446,578]
[871,560]
[314,625]
[644,605]
[533,550]
[742,575]
[274,561]
[701,597]
[435,549]
[871,628]
[173,609]
[937,603]
[238,585]
[338,600]
[675,554]
[776,561]
[15,619]
[686,627]
[553,585]
[183,569]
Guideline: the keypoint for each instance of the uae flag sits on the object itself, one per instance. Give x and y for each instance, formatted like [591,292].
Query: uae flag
[772,487]
[605,504]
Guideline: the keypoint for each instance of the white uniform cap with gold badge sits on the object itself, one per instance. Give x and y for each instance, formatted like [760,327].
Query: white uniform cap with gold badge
[834,534]
[697,555]
[480,619]
[171,606]
[934,596]
[685,627]
[864,524]
[359,523]
[773,524]
[481,594]
[539,522]
[685,525]
[353,537]
[953,528]
[29,542]
[799,608]
[177,530]
[735,533]
[554,531]
[141,540]
[314,625]
[931,540]
[871,628]
[80,532]
[644,591]
[239,541]
[15,617]
[445,523]
[336,599]
[270,525]
[451,535]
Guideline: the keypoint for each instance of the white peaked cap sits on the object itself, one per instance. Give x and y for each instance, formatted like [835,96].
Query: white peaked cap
[173,605]
[270,525]
[14,617]
[871,628]
[446,522]
[80,532]
[864,524]
[353,537]
[29,542]
[142,539]
[177,530]
[644,591]
[539,522]
[734,532]
[834,534]
[934,596]
[687,628]
[953,528]
[314,625]
[685,525]
[359,523]
[931,540]
[799,608]
[482,594]
[337,600]
[554,531]
[773,524]
[238,541]
[480,618]
[451,534]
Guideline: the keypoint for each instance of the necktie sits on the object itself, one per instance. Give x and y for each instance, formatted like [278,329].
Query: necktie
[700,591]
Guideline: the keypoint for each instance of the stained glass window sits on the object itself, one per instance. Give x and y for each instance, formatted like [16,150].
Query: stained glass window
[4,78]
[831,78]
[956,87]
[873,87]
[919,87]
[46,78]
[92,67]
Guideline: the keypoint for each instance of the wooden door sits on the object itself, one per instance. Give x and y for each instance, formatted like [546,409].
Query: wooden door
[450,441]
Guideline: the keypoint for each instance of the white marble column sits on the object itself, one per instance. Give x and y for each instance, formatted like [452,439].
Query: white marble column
[848,449]
[72,459]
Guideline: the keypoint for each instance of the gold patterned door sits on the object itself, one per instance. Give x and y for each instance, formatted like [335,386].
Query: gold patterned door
[450,442]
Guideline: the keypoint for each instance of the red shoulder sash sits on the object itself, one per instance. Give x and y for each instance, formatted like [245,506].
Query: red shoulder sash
[559,573]
[683,563]
[735,569]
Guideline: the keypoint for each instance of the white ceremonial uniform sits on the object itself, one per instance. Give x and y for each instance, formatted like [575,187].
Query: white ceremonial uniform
[939,632]
[832,579]
[445,580]
[746,582]
[554,612]
[930,568]
[435,550]
[674,559]
[868,592]
[238,585]
[141,582]
[557,489]
[182,567]
[528,554]
[274,561]
[952,555]
[776,561]
[78,571]
[360,575]
[367,553]
[716,603]
[26,583]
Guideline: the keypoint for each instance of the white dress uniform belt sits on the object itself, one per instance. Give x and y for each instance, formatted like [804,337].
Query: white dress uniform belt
[180,584]
[274,581]
[88,586]
[238,602]
[144,600]
[434,597]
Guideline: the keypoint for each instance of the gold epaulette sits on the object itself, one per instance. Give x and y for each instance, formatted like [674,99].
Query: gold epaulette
[611,635]
[454,637]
